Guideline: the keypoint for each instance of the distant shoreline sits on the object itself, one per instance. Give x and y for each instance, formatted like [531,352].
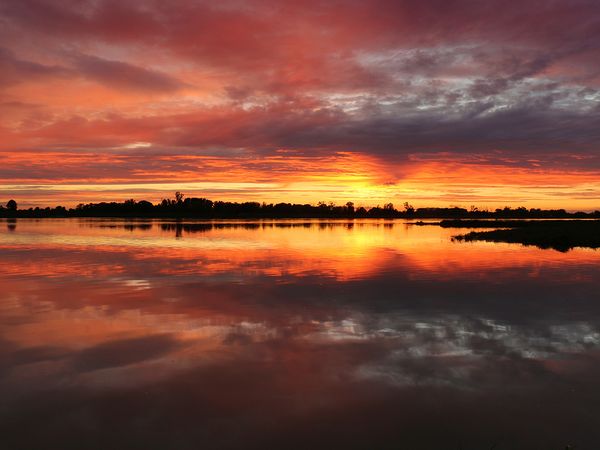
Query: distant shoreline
[440,221]
[202,208]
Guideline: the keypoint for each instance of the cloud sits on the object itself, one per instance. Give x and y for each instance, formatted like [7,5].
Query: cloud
[528,126]
[124,352]
[114,74]
[14,70]
[122,75]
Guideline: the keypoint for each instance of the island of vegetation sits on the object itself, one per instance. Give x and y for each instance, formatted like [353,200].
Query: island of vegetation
[561,235]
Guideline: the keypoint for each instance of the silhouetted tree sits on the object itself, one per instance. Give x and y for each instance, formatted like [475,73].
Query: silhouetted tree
[11,205]
[350,208]
[361,212]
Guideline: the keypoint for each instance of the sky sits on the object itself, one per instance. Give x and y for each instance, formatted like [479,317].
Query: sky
[434,102]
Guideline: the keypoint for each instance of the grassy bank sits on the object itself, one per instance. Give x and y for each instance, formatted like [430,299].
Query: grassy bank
[561,235]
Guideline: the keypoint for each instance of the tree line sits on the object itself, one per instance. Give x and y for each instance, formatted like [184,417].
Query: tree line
[202,208]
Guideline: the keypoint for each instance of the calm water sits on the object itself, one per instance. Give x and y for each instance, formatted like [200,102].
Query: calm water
[369,334]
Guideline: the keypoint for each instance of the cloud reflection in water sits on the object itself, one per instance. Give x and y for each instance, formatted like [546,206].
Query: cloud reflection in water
[319,335]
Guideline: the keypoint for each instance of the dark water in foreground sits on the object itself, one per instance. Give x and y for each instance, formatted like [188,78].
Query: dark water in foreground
[369,335]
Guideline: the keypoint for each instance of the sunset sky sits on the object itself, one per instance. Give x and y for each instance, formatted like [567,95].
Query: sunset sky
[434,102]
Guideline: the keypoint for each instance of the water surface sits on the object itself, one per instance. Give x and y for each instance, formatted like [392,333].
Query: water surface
[292,334]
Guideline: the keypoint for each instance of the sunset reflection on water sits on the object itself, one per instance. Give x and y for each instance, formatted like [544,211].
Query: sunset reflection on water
[292,334]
